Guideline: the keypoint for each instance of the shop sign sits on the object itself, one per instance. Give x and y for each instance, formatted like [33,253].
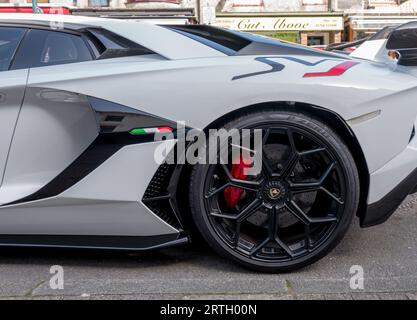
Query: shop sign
[281,23]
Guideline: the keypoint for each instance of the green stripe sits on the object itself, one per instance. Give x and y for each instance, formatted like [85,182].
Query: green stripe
[137,131]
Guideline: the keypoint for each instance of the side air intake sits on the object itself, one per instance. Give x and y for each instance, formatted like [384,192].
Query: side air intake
[159,200]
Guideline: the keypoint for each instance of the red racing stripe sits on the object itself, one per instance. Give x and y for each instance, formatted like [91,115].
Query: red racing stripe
[333,72]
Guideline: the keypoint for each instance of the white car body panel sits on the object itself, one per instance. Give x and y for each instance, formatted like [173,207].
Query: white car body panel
[372,50]
[114,188]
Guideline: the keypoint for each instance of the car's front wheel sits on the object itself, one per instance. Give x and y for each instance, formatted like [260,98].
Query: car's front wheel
[294,210]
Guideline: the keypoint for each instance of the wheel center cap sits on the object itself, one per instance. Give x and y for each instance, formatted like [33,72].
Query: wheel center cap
[274,193]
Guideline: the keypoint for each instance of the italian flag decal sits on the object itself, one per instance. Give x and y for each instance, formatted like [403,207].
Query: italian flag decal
[140,131]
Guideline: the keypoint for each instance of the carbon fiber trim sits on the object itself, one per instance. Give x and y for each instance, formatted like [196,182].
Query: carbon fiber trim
[159,200]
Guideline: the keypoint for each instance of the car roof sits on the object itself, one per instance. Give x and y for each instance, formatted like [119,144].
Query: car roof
[163,41]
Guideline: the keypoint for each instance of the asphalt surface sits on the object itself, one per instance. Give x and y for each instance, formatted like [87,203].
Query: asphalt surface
[387,253]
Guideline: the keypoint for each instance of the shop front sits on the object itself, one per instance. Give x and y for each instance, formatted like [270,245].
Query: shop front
[313,29]
[364,25]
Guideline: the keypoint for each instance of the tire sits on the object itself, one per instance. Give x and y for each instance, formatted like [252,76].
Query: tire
[305,213]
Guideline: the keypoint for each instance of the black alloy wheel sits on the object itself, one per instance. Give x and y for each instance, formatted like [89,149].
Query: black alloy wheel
[290,214]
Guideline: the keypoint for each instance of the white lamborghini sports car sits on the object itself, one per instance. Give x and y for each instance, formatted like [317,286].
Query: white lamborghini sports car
[81,100]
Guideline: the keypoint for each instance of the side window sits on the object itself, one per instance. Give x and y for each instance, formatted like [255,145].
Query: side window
[9,41]
[45,48]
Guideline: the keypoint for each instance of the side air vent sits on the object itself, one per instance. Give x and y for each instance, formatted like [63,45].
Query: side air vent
[109,45]
[114,118]
[158,199]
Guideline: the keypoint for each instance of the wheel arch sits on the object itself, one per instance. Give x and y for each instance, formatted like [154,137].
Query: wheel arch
[330,118]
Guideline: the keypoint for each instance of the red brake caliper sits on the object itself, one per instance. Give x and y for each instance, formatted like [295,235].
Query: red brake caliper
[232,195]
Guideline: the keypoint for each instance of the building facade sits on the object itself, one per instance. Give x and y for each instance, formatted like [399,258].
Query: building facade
[375,14]
[309,22]
[156,11]
[116,4]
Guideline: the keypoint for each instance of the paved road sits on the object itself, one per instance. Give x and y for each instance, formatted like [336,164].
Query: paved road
[387,253]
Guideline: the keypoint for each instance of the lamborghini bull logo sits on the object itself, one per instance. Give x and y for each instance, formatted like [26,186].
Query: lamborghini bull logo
[216,146]
[274,193]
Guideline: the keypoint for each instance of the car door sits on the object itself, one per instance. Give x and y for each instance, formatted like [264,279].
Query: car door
[12,88]
[62,135]
[54,127]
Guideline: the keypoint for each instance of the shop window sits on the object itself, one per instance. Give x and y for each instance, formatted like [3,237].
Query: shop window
[348,4]
[315,40]
[314,2]
[248,3]
[285,36]
[168,1]
[99,3]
